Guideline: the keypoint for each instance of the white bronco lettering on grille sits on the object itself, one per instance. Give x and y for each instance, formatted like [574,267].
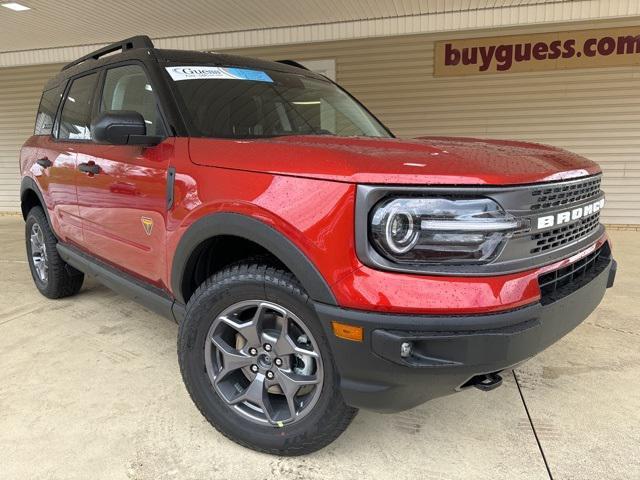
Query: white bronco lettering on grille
[569,215]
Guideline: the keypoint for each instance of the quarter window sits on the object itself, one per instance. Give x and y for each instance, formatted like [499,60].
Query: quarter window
[47,111]
[128,88]
[75,119]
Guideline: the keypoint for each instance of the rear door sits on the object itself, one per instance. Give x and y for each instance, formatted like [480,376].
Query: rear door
[122,188]
[39,159]
[57,156]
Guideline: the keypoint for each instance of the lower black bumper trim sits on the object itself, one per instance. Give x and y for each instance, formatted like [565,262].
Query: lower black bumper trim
[446,352]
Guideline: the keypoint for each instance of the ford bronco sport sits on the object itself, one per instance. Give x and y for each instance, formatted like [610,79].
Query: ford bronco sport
[315,263]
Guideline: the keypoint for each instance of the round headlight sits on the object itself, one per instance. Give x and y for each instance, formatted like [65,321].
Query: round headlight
[440,229]
[400,232]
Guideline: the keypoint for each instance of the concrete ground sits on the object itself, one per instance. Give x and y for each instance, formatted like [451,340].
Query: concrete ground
[90,388]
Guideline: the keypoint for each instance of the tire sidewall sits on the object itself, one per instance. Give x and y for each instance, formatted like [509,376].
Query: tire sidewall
[36,216]
[62,279]
[193,333]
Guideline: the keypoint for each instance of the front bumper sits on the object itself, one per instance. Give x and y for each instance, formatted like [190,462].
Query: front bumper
[448,351]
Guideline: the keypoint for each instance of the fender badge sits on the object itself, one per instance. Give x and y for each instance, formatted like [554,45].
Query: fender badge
[147,223]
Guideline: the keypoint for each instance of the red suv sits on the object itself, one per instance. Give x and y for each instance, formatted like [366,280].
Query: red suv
[316,264]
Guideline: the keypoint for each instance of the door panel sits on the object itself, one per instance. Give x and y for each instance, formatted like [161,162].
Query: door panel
[123,207]
[55,165]
[58,184]
[122,188]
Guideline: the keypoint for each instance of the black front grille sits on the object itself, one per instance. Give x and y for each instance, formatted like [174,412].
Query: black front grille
[549,234]
[560,236]
[558,195]
[560,283]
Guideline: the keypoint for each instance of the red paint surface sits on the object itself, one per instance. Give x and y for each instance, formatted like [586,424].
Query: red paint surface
[436,160]
[302,186]
[389,292]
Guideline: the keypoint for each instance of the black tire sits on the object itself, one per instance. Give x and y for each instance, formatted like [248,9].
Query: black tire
[62,279]
[328,417]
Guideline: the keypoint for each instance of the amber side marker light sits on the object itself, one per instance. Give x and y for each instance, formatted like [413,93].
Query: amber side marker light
[348,332]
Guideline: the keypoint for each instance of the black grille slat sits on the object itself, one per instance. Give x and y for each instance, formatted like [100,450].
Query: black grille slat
[564,196]
[563,281]
[564,234]
[573,271]
[560,195]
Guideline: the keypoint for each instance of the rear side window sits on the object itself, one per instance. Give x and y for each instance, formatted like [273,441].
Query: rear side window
[75,119]
[128,88]
[47,111]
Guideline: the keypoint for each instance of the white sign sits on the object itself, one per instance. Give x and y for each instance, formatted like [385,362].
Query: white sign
[217,73]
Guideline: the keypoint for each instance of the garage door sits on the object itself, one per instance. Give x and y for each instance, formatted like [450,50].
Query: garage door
[20,90]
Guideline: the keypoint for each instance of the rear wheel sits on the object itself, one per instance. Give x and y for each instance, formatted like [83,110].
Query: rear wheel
[256,363]
[53,277]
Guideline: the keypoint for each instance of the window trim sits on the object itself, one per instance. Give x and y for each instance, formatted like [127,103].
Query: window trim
[55,111]
[96,99]
[56,125]
[366,109]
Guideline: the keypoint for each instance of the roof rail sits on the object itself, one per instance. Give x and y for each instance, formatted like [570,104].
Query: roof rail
[292,63]
[140,41]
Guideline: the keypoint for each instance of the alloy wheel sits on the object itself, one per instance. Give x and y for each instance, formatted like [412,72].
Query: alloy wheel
[39,253]
[264,363]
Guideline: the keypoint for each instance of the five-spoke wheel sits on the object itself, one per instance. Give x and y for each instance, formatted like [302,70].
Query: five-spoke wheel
[264,362]
[257,363]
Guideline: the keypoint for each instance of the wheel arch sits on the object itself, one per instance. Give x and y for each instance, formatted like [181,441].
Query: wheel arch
[253,230]
[30,196]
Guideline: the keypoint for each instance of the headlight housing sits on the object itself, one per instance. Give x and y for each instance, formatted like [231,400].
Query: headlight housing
[440,230]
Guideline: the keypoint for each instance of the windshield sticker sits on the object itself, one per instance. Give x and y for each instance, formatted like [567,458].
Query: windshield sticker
[217,73]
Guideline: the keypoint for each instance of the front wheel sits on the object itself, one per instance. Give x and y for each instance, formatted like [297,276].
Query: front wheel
[257,364]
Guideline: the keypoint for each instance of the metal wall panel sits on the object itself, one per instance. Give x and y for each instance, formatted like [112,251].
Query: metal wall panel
[20,90]
[199,25]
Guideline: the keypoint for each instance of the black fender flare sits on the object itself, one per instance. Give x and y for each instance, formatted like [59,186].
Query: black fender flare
[28,184]
[239,225]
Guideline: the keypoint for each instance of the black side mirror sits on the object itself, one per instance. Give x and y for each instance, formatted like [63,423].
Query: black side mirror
[123,127]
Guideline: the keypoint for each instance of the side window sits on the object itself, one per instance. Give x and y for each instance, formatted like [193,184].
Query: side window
[128,88]
[75,119]
[47,111]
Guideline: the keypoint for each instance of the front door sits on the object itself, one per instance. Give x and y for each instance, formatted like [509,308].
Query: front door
[122,188]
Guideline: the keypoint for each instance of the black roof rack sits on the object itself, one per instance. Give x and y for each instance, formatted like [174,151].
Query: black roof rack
[292,63]
[140,41]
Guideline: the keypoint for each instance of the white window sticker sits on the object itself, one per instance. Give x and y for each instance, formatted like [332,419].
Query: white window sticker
[217,73]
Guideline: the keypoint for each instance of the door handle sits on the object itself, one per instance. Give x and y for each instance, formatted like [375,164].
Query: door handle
[44,162]
[90,168]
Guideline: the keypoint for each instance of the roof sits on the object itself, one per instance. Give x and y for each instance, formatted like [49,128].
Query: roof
[141,48]
[223,59]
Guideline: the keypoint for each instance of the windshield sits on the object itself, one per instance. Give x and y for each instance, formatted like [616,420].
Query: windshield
[243,103]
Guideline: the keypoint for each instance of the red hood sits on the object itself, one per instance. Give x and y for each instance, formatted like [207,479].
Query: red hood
[425,160]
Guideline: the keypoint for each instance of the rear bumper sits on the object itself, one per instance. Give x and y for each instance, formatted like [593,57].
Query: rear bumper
[447,351]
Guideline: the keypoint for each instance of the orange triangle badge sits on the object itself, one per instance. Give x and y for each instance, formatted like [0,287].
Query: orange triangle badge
[147,223]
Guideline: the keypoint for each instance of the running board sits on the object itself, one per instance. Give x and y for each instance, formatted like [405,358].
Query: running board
[147,295]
